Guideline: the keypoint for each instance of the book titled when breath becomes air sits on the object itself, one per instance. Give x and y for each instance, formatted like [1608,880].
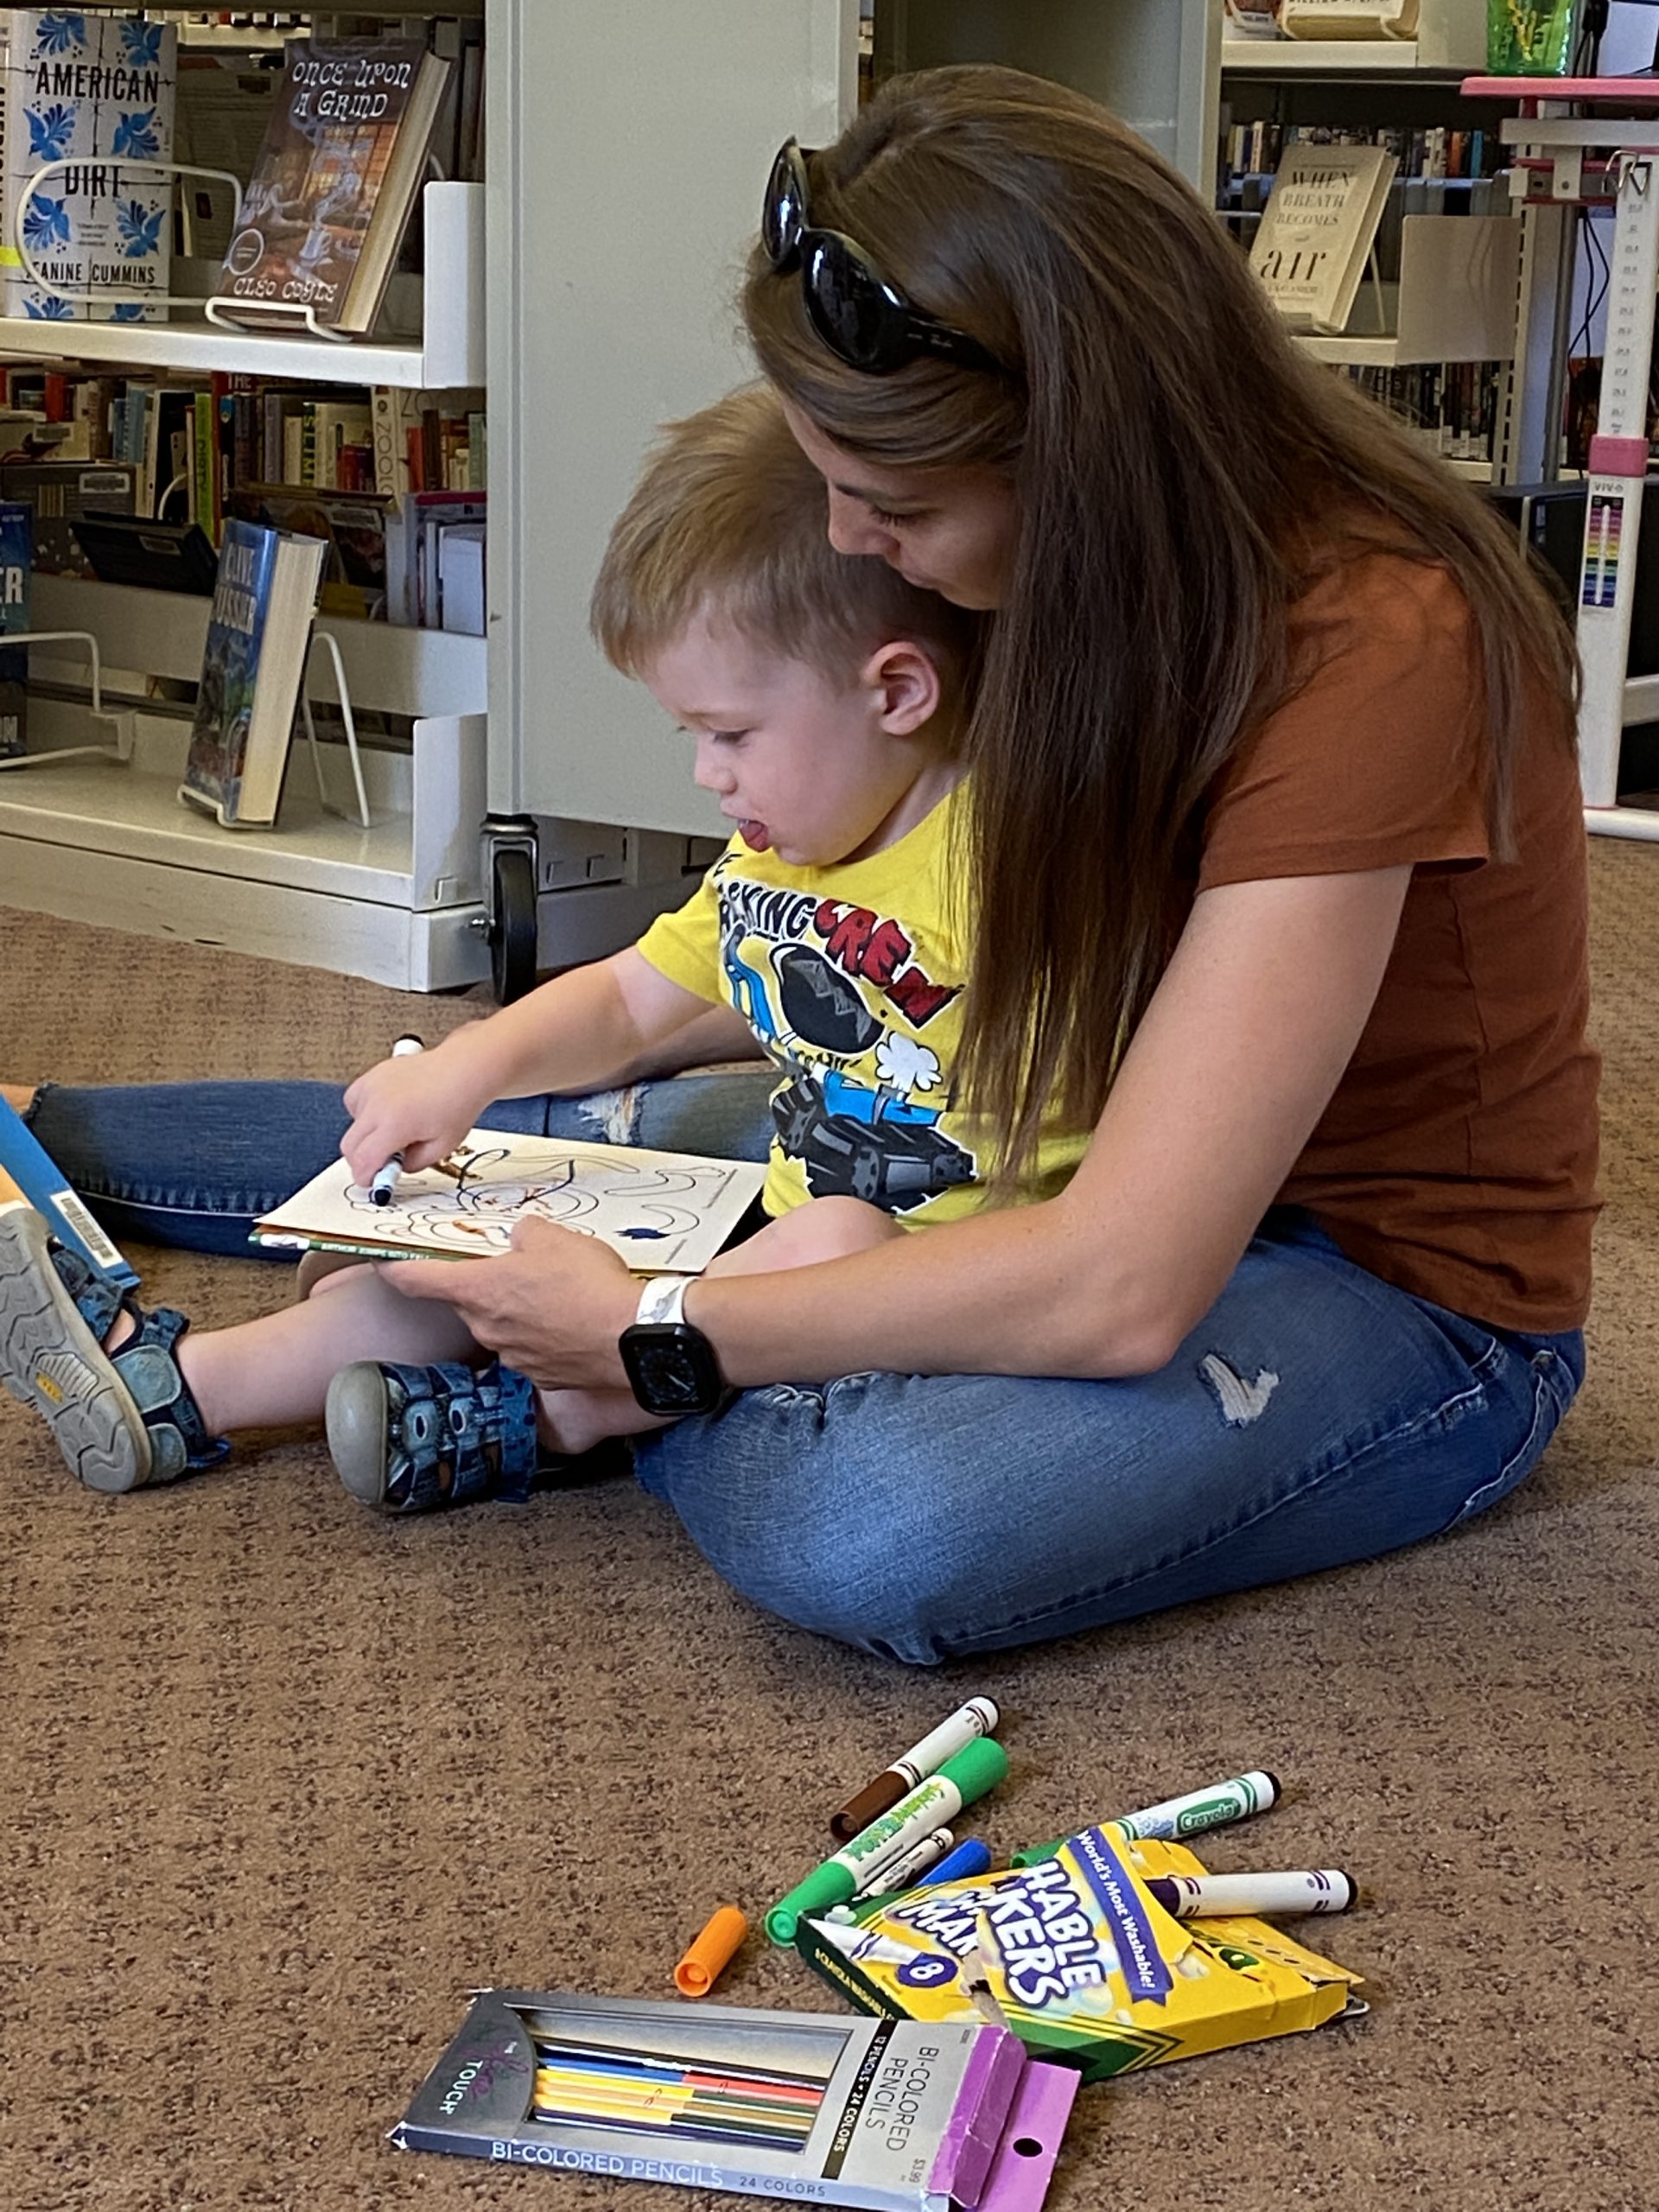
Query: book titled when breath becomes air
[258,633]
[1317,231]
[335,181]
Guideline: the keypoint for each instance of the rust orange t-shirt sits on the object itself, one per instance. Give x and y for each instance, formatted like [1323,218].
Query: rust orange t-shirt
[1457,1158]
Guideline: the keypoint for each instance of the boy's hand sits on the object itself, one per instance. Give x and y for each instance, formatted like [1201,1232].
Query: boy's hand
[419,1104]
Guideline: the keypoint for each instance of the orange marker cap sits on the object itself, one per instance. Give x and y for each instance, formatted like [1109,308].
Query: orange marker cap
[716,1947]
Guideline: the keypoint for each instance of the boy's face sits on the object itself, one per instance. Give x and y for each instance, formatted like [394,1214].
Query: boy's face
[815,773]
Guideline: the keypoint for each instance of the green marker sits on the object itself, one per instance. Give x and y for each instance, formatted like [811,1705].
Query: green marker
[1221,1803]
[933,1802]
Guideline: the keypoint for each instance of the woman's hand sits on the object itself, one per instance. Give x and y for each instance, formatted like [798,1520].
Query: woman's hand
[417,1104]
[553,1307]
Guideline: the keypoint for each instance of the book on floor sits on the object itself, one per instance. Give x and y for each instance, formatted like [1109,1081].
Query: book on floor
[1317,231]
[252,670]
[336,179]
[16,560]
[31,1177]
[97,91]
[665,1213]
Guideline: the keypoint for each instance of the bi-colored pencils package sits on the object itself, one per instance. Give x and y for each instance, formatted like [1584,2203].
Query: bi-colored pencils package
[883,2113]
[1078,1958]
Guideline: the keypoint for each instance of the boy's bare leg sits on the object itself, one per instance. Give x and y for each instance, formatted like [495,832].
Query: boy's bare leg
[19,1097]
[275,1372]
[824,1229]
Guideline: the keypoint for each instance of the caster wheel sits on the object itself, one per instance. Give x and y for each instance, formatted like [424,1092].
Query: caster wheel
[513,932]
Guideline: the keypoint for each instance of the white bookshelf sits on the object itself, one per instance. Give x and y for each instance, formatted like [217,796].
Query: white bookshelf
[442,313]
[1333,57]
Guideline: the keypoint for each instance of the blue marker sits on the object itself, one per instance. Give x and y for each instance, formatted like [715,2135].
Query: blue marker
[968,1859]
[384,1179]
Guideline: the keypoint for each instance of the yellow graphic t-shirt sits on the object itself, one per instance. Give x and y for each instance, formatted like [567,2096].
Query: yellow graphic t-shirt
[852,978]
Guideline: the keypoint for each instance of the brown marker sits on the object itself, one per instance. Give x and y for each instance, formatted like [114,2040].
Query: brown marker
[978,1718]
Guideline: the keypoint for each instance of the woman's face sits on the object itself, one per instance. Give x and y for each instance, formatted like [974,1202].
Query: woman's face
[949,530]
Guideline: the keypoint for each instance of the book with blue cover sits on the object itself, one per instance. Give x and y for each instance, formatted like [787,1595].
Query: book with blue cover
[29,1176]
[258,633]
[98,93]
[16,561]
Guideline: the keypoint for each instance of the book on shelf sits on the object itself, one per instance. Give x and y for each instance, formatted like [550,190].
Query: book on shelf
[462,601]
[252,667]
[336,179]
[59,492]
[155,555]
[415,529]
[97,91]
[16,560]
[1313,239]
[352,526]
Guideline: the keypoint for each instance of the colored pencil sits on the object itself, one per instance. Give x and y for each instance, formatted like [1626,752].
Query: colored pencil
[579,2088]
[696,2129]
[622,2054]
[716,2084]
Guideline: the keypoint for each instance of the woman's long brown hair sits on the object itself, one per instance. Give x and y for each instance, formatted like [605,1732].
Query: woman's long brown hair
[1183,472]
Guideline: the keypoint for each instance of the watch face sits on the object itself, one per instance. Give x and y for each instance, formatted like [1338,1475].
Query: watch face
[672,1367]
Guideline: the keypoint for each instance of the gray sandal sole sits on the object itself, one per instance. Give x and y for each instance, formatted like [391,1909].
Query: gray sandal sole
[355,1417]
[50,1360]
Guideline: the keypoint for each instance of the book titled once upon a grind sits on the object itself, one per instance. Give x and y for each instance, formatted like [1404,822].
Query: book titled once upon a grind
[334,181]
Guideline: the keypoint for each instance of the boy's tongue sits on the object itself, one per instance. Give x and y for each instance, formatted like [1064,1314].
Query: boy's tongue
[755,835]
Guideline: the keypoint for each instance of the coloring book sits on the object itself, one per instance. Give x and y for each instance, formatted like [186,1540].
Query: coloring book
[665,1212]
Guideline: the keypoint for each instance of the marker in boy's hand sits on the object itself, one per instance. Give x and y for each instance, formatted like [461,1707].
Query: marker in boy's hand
[384,1180]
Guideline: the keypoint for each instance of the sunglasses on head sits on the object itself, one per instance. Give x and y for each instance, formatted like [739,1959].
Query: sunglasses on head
[861,318]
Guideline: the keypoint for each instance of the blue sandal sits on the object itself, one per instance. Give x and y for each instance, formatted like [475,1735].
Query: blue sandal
[121,1419]
[411,1438]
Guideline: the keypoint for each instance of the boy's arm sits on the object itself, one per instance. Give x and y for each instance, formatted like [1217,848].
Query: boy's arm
[579,1032]
[714,1033]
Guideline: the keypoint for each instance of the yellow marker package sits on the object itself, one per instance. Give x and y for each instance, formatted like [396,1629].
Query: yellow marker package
[1076,1955]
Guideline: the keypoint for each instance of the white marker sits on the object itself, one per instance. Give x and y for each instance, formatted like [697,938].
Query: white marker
[900,1870]
[1214,1807]
[383,1181]
[1193,1897]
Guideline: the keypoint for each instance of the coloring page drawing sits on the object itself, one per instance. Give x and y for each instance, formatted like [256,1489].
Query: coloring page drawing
[666,1213]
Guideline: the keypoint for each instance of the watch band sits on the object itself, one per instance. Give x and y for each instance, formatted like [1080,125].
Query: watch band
[662,1300]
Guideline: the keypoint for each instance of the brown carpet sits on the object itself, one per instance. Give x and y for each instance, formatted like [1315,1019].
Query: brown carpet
[281,1780]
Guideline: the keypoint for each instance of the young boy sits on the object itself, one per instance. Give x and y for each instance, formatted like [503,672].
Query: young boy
[826,696]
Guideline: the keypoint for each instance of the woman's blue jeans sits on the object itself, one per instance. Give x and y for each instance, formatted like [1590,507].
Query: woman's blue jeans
[1317,1414]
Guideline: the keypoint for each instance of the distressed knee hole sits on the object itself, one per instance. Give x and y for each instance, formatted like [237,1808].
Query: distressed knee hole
[1241,1402]
[614,1114]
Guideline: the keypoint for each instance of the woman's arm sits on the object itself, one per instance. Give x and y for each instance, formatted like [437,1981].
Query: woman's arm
[1247,1038]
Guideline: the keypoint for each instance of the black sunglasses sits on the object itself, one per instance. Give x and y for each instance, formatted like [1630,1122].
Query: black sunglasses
[861,318]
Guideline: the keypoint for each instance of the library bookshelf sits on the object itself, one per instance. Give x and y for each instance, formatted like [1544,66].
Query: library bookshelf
[108,840]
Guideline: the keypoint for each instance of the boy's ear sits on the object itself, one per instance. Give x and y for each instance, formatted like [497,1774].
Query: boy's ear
[905,684]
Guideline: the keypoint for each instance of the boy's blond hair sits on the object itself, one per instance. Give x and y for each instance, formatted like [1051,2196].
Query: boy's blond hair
[728,517]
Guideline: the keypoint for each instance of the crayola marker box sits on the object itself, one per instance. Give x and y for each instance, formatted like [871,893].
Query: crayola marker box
[1077,1958]
[898,2115]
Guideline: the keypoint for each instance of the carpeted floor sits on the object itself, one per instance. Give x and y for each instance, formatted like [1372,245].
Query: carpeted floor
[281,1781]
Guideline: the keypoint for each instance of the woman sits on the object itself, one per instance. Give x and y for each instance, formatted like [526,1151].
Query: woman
[1276,846]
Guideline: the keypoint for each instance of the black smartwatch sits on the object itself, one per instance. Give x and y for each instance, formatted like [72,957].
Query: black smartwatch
[670,1364]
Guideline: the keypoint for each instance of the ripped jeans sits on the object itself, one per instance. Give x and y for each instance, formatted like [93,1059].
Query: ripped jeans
[1317,1415]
